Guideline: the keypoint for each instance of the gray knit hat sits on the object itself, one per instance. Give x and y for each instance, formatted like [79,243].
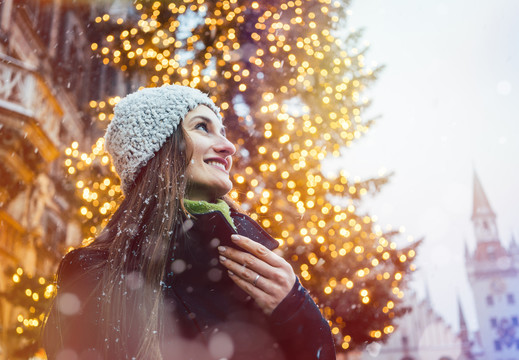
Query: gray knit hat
[142,123]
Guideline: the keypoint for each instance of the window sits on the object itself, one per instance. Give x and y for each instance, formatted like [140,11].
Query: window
[55,229]
[405,341]
[497,345]
[510,299]
[490,300]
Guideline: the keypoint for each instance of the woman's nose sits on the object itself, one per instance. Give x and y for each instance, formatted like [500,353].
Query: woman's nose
[224,146]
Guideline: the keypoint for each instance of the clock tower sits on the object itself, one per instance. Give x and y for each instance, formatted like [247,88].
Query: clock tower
[493,273]
[483,217]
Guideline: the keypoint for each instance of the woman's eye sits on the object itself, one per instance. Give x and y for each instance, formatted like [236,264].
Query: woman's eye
[202,126]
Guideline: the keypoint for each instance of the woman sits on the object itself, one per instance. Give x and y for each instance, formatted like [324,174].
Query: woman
[179,272]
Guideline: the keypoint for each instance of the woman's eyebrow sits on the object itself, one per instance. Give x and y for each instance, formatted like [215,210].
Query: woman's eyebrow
[211,121]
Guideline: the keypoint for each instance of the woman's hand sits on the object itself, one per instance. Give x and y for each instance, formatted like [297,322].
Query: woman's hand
[261,273]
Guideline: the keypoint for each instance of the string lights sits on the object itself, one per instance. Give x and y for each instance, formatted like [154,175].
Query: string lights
[31,298]
[289,81]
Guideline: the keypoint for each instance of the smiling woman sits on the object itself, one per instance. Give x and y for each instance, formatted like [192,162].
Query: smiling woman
[179,272]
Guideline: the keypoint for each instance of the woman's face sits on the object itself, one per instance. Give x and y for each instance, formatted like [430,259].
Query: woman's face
[211,155]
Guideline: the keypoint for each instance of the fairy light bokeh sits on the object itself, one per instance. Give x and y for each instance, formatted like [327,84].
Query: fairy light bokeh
[34,300]
[291,93]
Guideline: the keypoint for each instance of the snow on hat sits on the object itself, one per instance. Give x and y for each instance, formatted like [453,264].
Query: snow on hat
[142,123]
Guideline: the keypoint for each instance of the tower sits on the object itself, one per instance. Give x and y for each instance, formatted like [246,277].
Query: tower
[483,217]
[493,273]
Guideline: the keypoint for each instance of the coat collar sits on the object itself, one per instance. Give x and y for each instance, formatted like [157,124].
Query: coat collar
[215,222]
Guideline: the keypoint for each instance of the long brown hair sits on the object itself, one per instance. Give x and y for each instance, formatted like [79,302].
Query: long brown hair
[138,239]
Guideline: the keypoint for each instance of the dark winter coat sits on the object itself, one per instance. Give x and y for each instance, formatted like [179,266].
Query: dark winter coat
[207,315]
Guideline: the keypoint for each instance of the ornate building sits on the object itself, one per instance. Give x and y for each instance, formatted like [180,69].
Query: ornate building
[47,76]
[493,273]
[421,334]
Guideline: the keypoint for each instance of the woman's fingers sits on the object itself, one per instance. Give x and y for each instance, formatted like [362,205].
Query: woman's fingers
[246,265]
[258,250]
[248,271]
[264,275]
[265,301]
[281,271]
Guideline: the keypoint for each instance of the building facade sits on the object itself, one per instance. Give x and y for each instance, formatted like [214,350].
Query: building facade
[421,334]
[48,74]
[493,273]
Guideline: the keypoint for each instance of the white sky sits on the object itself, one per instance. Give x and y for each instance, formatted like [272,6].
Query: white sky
[449,100]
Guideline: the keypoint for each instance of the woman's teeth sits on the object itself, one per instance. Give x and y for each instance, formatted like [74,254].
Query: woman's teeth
[217,164]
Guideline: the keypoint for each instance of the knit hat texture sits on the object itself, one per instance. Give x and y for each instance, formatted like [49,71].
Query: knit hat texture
[142,123]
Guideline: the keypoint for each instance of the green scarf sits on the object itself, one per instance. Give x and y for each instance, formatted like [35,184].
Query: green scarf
[202,207]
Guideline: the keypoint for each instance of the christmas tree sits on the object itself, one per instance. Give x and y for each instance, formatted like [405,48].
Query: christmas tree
[289,80]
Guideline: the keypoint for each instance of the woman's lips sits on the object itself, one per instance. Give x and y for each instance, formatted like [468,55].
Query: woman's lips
[219,163]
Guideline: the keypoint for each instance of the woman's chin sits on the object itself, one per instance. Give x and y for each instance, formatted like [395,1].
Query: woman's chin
[209,194]
[222,193]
